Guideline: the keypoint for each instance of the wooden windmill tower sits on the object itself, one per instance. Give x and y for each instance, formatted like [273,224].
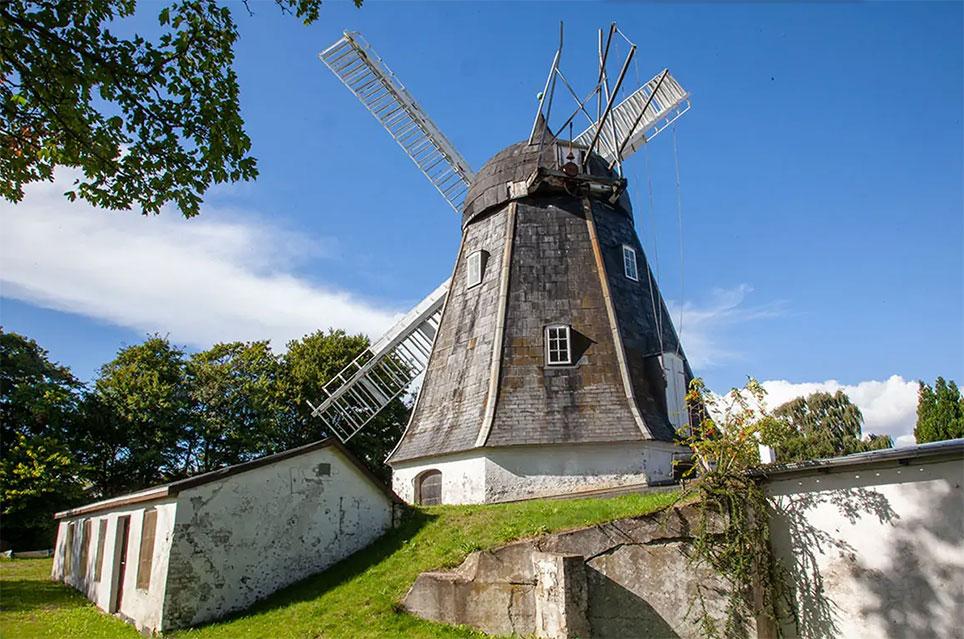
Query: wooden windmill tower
[551,363]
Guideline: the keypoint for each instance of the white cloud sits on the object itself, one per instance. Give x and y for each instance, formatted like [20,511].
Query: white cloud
[704,325]
[889,407]
[222,276]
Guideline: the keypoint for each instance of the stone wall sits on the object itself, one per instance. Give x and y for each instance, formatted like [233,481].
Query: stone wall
[626,579]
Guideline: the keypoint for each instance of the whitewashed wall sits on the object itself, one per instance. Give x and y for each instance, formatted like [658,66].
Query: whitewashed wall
[463,477]
[520,472]
[238,539]
[523,472]
[142,607]
[875,551]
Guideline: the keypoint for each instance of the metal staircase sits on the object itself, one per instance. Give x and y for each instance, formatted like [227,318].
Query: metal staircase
[638,118]
[383,371]
[367,76]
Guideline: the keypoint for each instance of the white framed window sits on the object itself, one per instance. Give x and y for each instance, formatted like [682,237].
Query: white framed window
[475,265]
[558,345]
[562,155]
[629,263]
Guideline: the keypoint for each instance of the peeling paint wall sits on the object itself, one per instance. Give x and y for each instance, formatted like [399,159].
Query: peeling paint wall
[239,539]
[875,551]
[487,475]
[142,607]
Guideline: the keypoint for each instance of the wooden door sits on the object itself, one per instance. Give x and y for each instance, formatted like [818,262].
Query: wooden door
[430,488]
[123,527]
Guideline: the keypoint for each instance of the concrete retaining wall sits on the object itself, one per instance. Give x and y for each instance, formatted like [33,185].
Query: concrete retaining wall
[622,580]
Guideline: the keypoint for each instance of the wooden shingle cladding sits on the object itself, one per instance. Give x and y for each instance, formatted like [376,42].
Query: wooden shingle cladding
[554,280]
[449,412]
[645,325]
[487,382]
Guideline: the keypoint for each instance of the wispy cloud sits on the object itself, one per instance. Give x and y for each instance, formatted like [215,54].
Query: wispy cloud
[889,406]
[223,276]
[705,324]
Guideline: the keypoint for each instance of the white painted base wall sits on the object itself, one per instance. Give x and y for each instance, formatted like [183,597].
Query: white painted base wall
[143,608]
[875,551]
[487,475]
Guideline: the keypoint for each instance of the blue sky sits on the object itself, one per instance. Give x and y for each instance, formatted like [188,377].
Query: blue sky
[821,172]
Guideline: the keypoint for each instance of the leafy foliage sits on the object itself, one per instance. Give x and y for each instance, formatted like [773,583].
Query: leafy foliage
[940,412]
[145,400]
[238,404]
[733,532]
[147,121]
[309,363]
[37,396]
[821,425]
[38,475]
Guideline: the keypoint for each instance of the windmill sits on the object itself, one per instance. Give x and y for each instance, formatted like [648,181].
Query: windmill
[550,360]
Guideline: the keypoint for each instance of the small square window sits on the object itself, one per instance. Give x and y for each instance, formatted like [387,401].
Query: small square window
[558,345]
[629,263]
[476,264]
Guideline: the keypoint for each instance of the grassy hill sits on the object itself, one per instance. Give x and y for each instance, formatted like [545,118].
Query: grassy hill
[355,599]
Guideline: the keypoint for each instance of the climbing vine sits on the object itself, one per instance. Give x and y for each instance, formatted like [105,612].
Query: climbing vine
[732,535]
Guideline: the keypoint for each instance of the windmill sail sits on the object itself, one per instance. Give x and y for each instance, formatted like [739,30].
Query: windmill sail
[364,73]
[383,371]
[632,131]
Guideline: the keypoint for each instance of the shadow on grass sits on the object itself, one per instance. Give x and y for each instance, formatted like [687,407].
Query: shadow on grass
[26,595]
[347,569]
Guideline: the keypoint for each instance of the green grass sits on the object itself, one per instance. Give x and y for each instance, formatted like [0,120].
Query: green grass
[355,599]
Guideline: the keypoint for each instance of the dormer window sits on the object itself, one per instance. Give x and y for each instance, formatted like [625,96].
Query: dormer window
[476,264]
[558,345]
[629,263]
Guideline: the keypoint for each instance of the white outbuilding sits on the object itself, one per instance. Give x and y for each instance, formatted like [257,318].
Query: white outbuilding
[196,549]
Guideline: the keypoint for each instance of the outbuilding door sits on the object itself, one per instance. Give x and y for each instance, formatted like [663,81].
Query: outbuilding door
[123,526]
[430,488]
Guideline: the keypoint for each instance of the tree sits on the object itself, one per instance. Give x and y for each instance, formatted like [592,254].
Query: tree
[143,419]
[38,475]
[238,399]
[147,121]
[821,425]
[37,396]
[940,412]
[309,363]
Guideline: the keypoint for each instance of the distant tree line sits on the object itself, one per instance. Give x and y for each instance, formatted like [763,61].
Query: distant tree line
[818,426]
[940,412]
[156,413]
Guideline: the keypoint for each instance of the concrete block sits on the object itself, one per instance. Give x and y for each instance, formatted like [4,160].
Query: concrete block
[561,597]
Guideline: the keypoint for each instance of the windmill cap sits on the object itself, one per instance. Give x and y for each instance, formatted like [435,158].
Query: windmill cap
[515,164]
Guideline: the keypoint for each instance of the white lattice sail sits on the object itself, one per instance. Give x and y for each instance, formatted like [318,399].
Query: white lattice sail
[367,76]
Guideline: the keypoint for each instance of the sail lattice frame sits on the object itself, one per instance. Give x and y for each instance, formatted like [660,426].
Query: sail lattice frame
[669,102]
[383,371]
[367,76]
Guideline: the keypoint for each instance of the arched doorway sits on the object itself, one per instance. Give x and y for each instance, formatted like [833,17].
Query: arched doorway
[428,488]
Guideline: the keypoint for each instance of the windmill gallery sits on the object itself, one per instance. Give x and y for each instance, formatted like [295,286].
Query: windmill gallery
[551,367]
